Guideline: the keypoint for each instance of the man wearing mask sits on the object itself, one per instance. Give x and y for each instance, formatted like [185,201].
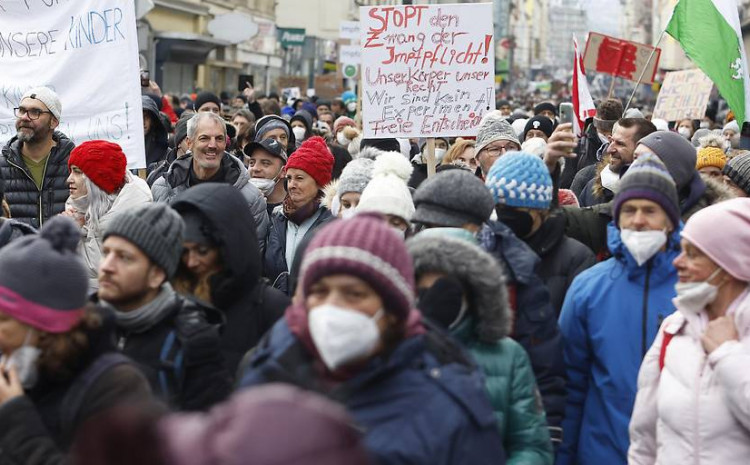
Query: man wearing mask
[619,154]
[267,160]
[34,163]
[350,102]
[612,313]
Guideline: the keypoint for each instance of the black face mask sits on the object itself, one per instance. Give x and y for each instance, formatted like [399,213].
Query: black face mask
[443,302]
[520,222]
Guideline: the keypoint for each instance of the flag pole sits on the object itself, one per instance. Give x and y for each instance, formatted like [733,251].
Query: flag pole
[645,67]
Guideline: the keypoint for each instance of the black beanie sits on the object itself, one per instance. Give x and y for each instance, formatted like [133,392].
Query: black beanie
[386,145]
[205,97]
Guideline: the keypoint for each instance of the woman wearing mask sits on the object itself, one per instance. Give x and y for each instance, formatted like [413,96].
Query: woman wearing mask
[58,367]
[731,134]
[308,170]
[302,123]
[387,192]
[266,160]
[100,187]
[350,103]
[686,128]
[693,402]
[341,123]
[342,196]
[354,335]
[461,289]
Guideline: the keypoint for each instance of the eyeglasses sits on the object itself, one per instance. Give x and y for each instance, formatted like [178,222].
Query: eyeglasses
[498,150]
[32,113]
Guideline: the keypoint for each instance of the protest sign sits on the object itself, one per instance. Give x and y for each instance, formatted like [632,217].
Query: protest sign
[87,51]
[621,58]
[683,95]
[287,82]
[329,86]
[427,70]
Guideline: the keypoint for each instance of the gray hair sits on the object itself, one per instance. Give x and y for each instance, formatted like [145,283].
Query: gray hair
[195,120]
[99,204]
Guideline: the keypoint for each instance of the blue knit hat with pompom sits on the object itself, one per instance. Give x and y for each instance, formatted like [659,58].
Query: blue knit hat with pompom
[520,179]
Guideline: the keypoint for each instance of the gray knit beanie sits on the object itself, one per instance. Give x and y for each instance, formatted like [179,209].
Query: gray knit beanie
[648,179]
[495,127]
[355,176]
[154,228]
[43,281]
[452,198]
[677,154]
[738,170]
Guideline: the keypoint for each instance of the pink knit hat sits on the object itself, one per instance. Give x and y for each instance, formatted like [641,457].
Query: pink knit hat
[365,247]
[728,244]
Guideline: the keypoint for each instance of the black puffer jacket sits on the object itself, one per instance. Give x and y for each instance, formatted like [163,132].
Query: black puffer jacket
[562,257]
[27,202]
[249,305]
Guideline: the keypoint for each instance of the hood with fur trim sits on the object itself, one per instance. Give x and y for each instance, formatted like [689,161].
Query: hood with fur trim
[715,192]
[478,272]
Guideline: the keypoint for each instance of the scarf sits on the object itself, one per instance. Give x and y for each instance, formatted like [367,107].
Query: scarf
[146,317]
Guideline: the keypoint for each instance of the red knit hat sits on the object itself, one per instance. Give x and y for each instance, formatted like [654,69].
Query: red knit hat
[314,158]
[101,161]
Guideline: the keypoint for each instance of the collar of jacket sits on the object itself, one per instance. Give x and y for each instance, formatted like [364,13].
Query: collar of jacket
[661,263]
[58,154]
[179,170]
[518,258]
[548,235]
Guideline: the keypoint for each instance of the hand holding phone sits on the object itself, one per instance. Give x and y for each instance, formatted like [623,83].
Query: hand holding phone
[566,113]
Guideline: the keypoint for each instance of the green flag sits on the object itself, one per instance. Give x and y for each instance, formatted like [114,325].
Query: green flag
[710,34]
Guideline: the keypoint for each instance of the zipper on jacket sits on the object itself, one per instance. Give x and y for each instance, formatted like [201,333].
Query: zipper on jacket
[44,175]
[644,322]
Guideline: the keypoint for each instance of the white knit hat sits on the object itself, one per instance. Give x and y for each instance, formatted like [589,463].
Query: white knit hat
[388,193]
[48,97]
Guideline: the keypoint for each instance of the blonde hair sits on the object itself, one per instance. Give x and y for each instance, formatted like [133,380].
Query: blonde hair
[457,149]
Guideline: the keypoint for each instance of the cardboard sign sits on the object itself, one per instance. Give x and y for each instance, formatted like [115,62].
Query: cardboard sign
[329,86]
[621,58]
[427,70]
[87,52]
[284,82]
[683,95]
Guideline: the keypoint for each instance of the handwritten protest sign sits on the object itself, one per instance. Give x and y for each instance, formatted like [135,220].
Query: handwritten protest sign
[684,95]
[87,51]
[427,70]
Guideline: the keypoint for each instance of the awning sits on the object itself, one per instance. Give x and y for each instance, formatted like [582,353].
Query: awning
[184,47]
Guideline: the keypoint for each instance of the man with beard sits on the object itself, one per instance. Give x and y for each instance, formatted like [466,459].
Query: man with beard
[34,163]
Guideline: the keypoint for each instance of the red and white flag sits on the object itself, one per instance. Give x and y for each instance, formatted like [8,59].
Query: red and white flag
[583,104]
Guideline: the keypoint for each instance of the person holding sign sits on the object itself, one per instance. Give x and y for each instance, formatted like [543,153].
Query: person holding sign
[34,163]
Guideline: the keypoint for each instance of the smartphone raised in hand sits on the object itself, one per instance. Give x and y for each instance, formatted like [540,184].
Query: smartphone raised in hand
[566,113]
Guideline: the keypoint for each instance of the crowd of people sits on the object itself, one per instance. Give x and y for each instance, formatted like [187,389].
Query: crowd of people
[276,289]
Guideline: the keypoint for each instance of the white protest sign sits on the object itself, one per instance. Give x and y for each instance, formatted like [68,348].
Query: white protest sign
[350,54]
[683,95]
[349,30]
[427,70]
[87,51]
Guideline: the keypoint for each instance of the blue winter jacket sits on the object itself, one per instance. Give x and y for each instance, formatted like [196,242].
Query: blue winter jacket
[610,317]
[414,407]
[535,326]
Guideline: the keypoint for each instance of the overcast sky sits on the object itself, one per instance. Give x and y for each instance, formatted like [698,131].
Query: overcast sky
[603,15]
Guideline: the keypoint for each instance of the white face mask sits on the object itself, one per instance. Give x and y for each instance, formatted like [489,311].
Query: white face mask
[342,139]
[24,359]
[694,297]
[264,185]
[439,155]
[348,213]
[351,107]
[705,125]
[610,179]
[342,336]
[299,133]
[643,244]
[684,132]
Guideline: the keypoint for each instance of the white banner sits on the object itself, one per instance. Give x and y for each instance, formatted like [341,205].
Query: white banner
[87,51]
[427,70]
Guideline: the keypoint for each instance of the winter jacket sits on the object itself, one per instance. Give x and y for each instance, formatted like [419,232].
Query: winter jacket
[27,202]
[589,226]
[38,427]
[697,408]
[177,179]
[582,178]
[563,258]
[535,325]
[134,192]
[180,356]
[609,319]
[594,193]
[275,267]
[423,404]
[157,140]
[249,306]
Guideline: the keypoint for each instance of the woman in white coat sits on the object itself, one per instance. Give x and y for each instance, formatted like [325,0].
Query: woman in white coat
[100,187]
[693,402]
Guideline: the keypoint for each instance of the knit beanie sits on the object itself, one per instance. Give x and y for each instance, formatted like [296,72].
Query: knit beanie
[649,179]
[698,135]
[494,127]
[520,180]
[156,229]
[738,170]
[365,247]
[43,281]
[548,106]
[270,122]
[711,156]
[541,123]
[101,161]
[341,122]
[180,131]
[731,126]
[386,145]
[48,97]
[452,198]
[314,158]
[348,96]
[677,154]
[355,176]
[206,97]
[387,192]
[722,231]
[567,197]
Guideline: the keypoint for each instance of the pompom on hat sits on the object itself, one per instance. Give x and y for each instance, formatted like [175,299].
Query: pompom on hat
[387,193]
[103,162]
[314,158]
